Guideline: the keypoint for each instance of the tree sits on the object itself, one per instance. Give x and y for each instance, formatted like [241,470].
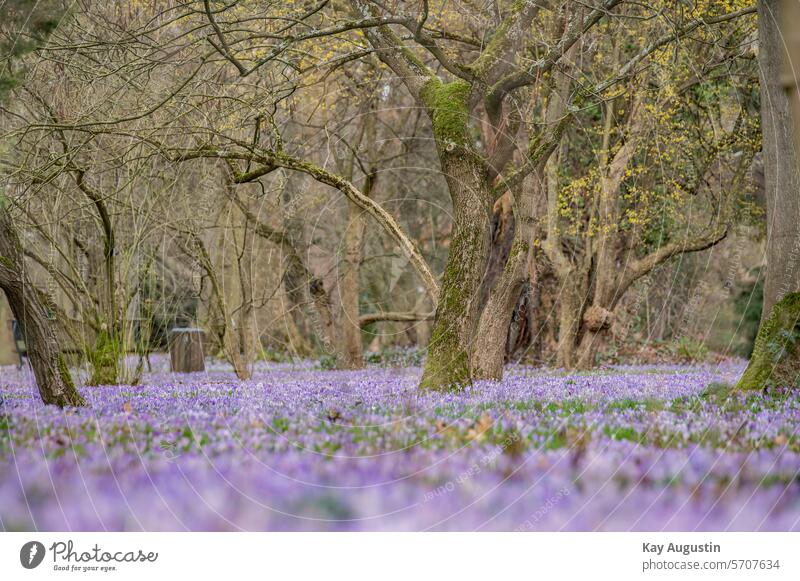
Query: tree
[776,356]
[781,165]
[49,367]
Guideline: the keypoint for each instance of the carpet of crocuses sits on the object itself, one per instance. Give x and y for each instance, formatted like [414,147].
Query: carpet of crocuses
[298,448]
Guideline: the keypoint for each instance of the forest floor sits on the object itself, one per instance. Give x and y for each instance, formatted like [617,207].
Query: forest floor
[664,447]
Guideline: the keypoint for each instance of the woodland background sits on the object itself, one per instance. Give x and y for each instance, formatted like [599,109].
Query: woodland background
[292,177]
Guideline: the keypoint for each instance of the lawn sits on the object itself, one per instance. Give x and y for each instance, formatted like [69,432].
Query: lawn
[301,448]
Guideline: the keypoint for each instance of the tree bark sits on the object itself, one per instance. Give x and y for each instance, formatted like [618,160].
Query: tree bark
[503,232]
[590,343]
[8,350]
[495,320]
[49,367]
[776,357]
[781,168]
[490,345]
[790,16]
[248,339]
[448,364]
[571,303]
[352,355]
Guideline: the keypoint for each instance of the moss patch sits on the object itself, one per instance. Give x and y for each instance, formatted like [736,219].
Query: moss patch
[71,395]
[448,365]
[776,355]
[104,358]
[449,372]
[448,103]
[63,371]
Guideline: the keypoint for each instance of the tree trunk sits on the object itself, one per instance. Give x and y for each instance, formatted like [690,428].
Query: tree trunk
[776,356]
[505,308]
[495,321]
[781,168]
[8,349]
[790,16]
[227,335]
[352,355]
[49,368]
[298,345]
[540,305]
[590,343]
[490,345]
[503,232]
[240,367]
[587,350]
[548,309]
[248,339]
[322,319]
[448,362]
[297,282]
[108,349]
[569,312]
[104,357]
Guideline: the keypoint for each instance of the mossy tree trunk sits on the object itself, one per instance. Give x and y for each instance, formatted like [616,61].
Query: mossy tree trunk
[448,364]
[104,358]
[49,368]
[776,355]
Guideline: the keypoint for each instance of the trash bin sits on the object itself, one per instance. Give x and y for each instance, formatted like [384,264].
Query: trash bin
[186,349]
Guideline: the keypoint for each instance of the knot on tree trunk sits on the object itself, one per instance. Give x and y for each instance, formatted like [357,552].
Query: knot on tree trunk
[597,318]
[317,289]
